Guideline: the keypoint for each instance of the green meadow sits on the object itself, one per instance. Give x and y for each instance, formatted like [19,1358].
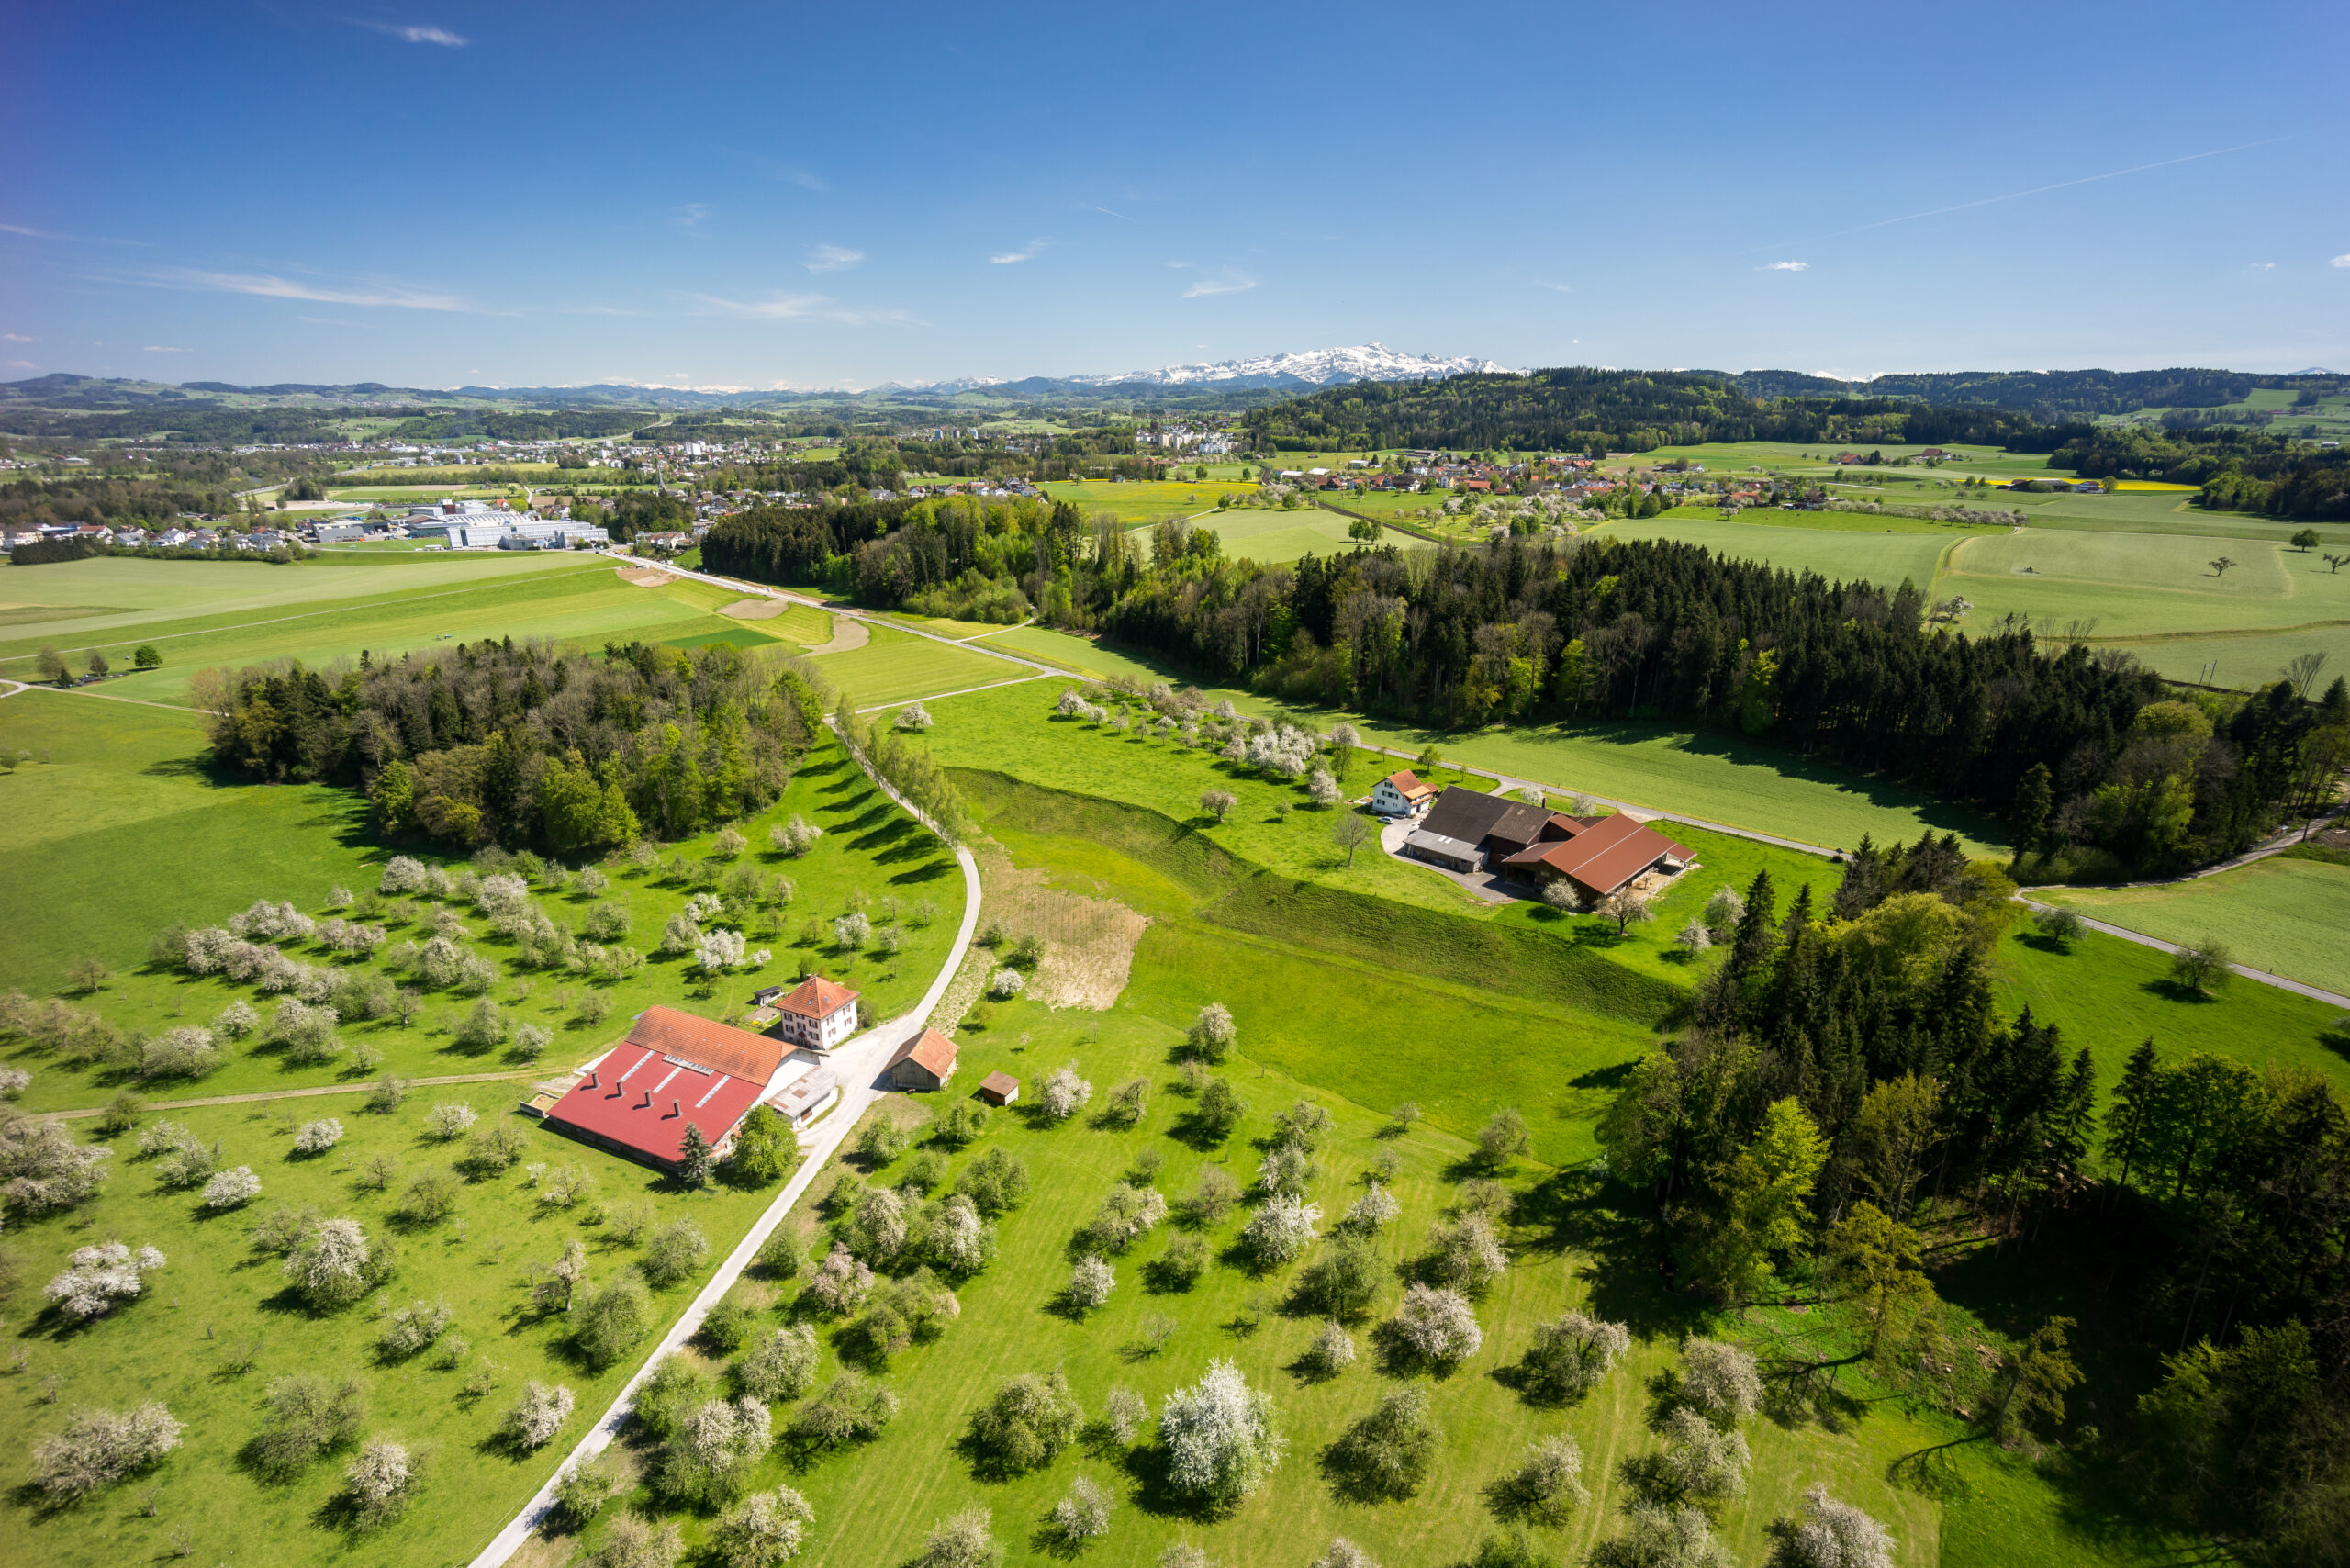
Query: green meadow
[898,666]
[1272,534]
[1884,555]
[2287,916]
[217,1324]
[874,1504]
[117,601]
[125,831]
[565,598]
[1148,500]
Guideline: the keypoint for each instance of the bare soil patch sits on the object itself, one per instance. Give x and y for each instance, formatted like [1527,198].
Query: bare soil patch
[848,632]
[756,609]
[642,577]
[1088,942]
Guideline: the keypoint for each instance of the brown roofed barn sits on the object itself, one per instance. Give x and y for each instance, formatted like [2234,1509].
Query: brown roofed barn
[925,1062]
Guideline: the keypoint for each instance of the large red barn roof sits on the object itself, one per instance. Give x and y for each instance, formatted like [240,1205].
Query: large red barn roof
[669,1031]
[645,1100]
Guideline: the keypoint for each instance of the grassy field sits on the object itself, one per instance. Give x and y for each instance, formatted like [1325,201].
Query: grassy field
[2147,583]
[1271,534]
[126,781]
[2289,917]
[1083,655]
[2109,994]
[578,601]
[898,666]
[1145,501]
[1258,877]
[114,602]
[219,1302]
[872,1506]
[1883,555]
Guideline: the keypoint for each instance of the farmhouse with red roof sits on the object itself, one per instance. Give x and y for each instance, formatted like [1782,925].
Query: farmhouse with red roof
[673,1070]
[1400,794]
[817,1013]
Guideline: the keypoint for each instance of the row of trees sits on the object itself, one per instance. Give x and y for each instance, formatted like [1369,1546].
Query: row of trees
[530,743]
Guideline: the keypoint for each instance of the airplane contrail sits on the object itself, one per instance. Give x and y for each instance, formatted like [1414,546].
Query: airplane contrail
[2015,195]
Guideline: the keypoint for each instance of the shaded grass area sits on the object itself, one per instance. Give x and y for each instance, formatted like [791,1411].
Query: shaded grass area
[2289,917]
[896,667]
[220,1300]
[226,844]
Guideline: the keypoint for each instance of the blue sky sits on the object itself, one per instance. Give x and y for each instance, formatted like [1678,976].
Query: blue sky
[437,194]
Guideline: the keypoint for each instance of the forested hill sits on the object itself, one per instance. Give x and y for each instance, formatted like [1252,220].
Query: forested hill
[1586,410]
[1635,410]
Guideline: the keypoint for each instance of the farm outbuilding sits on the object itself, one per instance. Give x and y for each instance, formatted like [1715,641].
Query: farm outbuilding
[999,1089]
[925,1062]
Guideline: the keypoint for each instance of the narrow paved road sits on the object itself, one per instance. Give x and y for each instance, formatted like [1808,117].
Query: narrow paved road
[764,591]
[858,1065]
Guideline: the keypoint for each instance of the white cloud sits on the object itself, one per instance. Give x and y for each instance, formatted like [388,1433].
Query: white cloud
[274,287]
[1553,287]
[158,348]
[1225,282]
[1784,267]
[1027,252]
[16,337]
[801,308]
[2341,262]
[330,322]
[72,239]
[832,258]
[2260,267]
[410,33]
[693,212]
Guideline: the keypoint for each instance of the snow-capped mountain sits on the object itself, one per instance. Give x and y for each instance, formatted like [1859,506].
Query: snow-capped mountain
[1319,367]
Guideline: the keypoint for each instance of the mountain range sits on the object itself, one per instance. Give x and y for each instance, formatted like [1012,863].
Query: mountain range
[1281,372]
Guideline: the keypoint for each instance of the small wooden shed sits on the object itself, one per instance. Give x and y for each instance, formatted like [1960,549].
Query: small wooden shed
[999,1089]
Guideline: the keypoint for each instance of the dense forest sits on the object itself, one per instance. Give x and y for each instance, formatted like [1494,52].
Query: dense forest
[1846,1104]
[2240,470]
[1539,632]
[530,745]
[1583,409]
[100,498]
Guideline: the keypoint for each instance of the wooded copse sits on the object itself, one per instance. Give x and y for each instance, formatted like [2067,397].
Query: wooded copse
[531,743]
[1848,1101]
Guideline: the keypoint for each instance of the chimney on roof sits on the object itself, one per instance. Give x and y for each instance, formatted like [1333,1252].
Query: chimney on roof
[677,1108]
[591,1078]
